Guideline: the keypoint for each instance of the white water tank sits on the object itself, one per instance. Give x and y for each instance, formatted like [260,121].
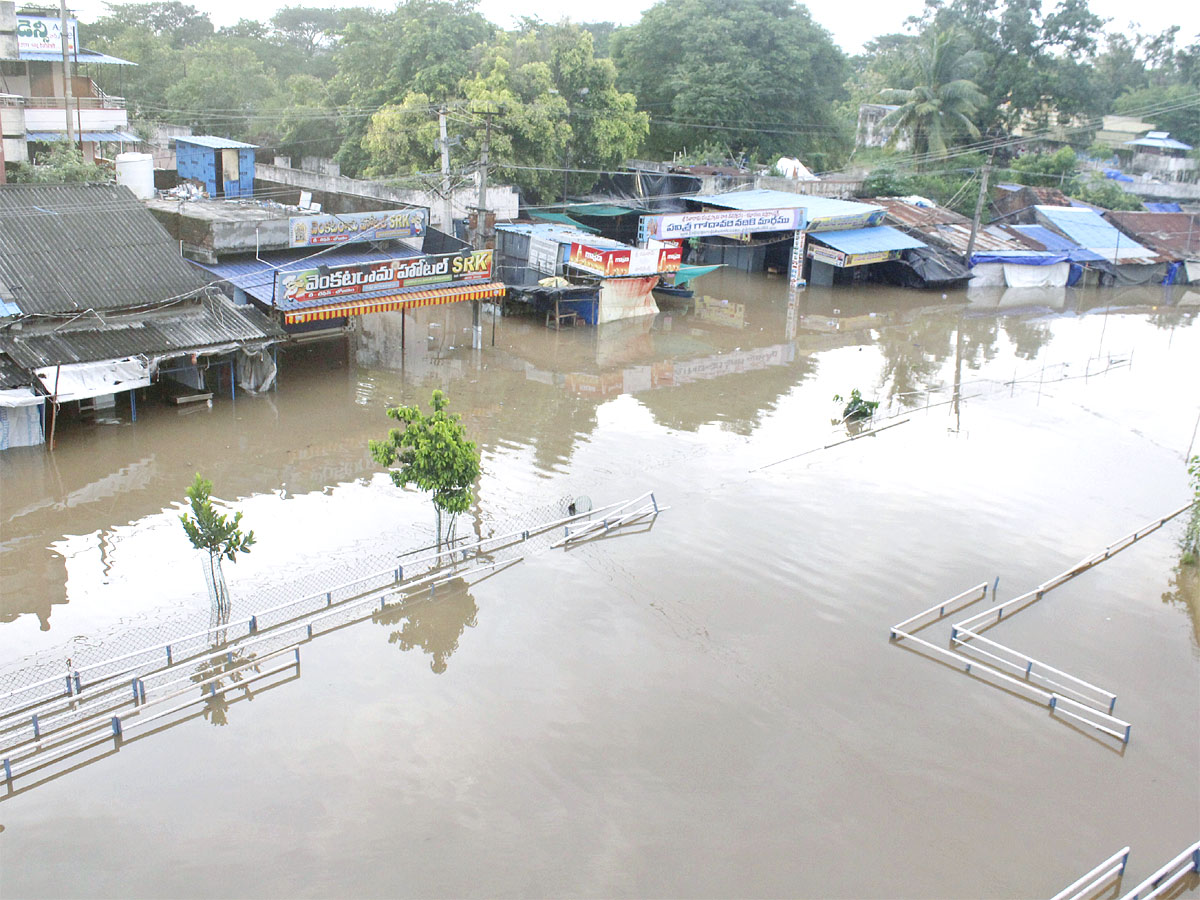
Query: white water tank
[136,172]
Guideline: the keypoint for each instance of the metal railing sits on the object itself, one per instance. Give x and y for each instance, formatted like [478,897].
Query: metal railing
[1063,693]
[55,718]
[103,102]
[1113,870]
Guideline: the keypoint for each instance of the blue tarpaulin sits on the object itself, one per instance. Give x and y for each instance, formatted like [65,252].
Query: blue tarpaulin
[1162,207]
[868,240]
[1019,257]
[1087,229]
[1117,175]
[1054,241]
[259,277]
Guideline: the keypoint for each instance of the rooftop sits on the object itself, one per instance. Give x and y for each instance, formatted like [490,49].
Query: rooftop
[816,207]
[1160,139]
[214,143]
[66,248]
[211,324]
[1087,229]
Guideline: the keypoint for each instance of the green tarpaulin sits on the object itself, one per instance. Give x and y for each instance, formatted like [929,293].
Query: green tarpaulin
[687,273]
[563,219]
[601,209]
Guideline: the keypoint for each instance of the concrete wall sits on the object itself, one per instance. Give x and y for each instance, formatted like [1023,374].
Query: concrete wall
[339,194]
[8,29]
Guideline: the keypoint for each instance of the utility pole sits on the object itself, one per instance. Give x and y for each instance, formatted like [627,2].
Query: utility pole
[66,34]
[480,242]
[447,206]
[983,184]
[481,209]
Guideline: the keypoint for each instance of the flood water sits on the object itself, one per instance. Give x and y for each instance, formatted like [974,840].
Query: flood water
[709,706]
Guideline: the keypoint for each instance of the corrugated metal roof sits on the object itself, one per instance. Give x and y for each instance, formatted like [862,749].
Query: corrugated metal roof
[72,247]
[214,143]
[112,137]
[868,240]
[1087,229]
[817,207]
[1172,234]
[1160,139]
[196,326]
[957,236]
[902,212]
[13,376]
[82,56]
[257,277]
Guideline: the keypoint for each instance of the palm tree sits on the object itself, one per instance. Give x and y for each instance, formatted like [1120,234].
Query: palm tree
[941,104]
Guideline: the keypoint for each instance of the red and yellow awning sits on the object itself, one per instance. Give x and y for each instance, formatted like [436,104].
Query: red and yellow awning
[413,300]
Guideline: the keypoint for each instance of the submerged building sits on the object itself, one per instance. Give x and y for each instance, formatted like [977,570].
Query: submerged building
[98,306]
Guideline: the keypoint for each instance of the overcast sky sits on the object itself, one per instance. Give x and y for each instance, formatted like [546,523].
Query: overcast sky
[850,22]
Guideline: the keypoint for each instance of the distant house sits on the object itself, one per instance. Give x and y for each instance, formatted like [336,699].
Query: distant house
[1161,156]
[871,130]
[33,105]
[1117,130]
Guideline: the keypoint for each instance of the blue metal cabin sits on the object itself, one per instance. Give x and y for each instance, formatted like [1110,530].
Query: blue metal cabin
[223,166]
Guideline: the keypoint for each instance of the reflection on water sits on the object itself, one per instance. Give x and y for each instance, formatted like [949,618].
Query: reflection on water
[711,708]
[433,624]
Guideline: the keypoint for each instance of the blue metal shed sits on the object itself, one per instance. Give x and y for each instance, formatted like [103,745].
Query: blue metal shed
[225,167]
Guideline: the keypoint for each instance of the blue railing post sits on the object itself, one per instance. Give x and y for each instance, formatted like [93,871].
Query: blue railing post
[142,690]
[253,624]
[69,691]
[7,770]
[78,686]
[134,685]
[36,731]
[655,502]
[329,598]
[116,726]
[297,656]
[169,663]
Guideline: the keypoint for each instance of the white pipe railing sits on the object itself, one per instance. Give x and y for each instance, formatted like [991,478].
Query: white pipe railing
[1097,878]
[1165,878]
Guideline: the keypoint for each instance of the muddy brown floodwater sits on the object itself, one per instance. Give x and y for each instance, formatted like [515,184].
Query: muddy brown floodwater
[706,707]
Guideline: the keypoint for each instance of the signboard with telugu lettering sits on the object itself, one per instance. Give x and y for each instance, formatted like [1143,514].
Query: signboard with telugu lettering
[325,283]
[385,225]
[43,34]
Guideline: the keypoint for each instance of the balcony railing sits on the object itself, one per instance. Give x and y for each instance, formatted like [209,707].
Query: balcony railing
[103,102]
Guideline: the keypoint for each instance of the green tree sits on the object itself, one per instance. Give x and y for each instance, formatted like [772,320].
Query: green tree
[1172,108]
[758,75]
[1028,56]
[223,89]
[943,104]
[1047,169]
[220,536]
[1191,536]
[61,164]
[434,454]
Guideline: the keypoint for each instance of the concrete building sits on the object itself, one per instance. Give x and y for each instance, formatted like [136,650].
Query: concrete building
[33,102]
[871,131]
[1160,156]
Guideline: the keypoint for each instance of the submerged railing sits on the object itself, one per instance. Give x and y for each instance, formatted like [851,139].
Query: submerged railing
[1063,693]
[53,719]
[1112,870]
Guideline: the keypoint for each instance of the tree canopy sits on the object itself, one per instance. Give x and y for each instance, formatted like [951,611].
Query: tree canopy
[693,79]
[759,76]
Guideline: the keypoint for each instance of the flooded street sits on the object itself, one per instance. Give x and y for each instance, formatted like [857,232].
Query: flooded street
[706,705]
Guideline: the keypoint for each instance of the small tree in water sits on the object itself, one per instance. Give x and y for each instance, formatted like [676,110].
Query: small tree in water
[434,454]
[1191,537]
[220,535]
[857,408]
